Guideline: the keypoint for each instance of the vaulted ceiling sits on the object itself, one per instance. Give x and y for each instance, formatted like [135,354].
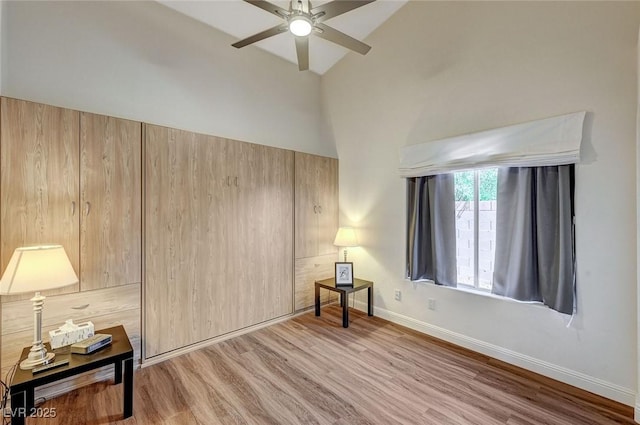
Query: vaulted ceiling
[240,19]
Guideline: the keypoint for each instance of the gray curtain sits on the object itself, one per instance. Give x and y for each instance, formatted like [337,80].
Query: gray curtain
[535,258]
[431,229]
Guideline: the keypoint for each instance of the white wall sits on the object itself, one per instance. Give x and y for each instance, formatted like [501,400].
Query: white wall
[440,69]
[143,61]
[637,406]
[1,42]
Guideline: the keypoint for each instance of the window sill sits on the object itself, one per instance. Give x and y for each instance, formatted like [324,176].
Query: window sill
[474,291]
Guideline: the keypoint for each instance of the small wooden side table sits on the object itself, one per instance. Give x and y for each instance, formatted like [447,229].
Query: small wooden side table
[344,291]
[119,352]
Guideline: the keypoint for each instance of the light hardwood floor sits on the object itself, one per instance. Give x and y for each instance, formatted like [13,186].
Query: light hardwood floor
[312,371]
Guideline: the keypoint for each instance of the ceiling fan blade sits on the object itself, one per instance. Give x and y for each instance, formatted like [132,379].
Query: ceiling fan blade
[337,7]
[261,36]
[269,7]
[302,49]
[335,36]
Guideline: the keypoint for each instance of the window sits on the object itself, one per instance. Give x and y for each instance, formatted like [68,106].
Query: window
[475,209]
[522,250]
[507,231]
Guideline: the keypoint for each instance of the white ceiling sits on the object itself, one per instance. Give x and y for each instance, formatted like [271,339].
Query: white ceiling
[241,20]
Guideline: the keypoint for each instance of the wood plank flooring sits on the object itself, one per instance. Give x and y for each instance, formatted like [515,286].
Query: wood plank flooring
[310,370]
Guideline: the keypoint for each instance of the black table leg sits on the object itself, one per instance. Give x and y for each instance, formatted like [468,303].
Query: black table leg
[117,372]
[317,300]
[128,388]
[341,298]
[370,301]
[30,399]
[18,407]
[345,311]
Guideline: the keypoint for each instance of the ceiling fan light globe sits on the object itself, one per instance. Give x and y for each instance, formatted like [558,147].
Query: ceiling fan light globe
[300,26]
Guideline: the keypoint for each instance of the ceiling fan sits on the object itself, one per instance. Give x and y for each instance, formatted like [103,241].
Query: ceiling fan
[303,20]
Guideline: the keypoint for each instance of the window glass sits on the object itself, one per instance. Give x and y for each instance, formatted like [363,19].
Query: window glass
[475,195]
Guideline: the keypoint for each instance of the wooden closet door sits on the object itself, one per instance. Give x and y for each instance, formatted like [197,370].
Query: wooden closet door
[327,193]
[316,199]
[264,225]
[306,205]
[110,201]
[218,303]
[39,179]
[183,239]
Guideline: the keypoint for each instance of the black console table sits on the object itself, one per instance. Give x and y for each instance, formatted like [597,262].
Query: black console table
[118,353]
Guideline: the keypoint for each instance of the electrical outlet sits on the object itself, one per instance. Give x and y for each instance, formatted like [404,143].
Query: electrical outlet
[432,304]
[398,295]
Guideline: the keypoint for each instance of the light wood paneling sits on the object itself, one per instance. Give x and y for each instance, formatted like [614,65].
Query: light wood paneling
[316,205]
[327,189]
[110,201]
[263,220]
[39,180]
[185,237]
[306,206]
[308,270]
[310,370]
[105,308]
[223,260]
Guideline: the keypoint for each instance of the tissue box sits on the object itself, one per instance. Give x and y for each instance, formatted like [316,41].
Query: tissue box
[70,333]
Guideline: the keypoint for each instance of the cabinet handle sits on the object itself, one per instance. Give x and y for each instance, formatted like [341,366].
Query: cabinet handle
[315,209]
[88,206]
[235,181]
[73,208]
[80,307]
[228,181]
[320,209]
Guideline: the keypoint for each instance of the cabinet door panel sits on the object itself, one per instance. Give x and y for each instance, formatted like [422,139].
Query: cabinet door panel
[306,208]
[327,189]
[264,223]
[39,180]
[308,270]
[110,189]
[184,240]
[316,205]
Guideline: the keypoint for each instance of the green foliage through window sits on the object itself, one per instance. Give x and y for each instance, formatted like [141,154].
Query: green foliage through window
[487,184]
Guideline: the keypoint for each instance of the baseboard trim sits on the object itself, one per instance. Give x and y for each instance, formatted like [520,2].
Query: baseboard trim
[636,412]
[568,376]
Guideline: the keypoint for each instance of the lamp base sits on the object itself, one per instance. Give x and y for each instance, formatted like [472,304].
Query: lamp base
[29,363]
[38,355]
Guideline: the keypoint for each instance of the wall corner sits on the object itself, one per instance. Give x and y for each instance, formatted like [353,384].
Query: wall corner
[637,405]
[2,30]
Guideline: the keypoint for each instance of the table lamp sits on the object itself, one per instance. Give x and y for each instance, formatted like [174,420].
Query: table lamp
[346,238]
[34,269]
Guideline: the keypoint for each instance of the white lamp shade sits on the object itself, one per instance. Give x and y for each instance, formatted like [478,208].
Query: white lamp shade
[37,268]
[346,236]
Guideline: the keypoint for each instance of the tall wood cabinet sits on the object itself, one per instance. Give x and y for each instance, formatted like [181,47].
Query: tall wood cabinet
[316,180]
[219,243]
[39,161]
[234,234]
[75,179]
[72,178]
[316,212]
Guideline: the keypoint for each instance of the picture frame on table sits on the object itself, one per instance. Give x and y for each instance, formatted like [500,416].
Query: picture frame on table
[344,274]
